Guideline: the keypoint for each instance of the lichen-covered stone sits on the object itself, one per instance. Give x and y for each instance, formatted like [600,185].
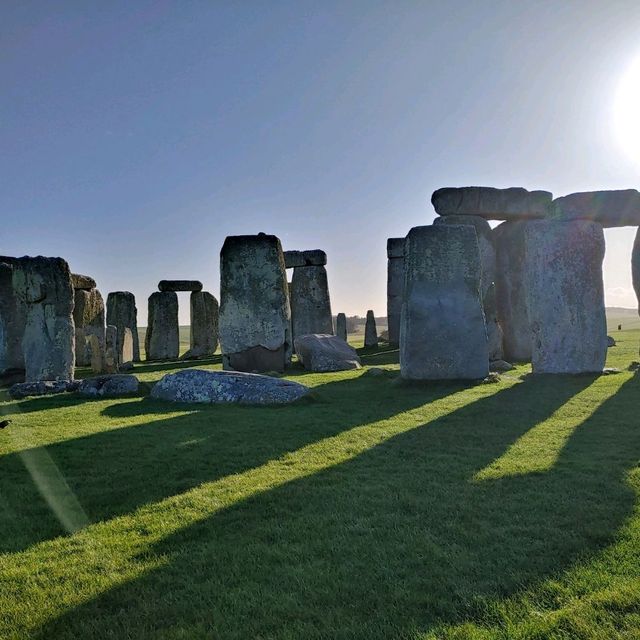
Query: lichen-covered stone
[121,313]
[180,285]
[125,357]
[443,333]
[321,353]
[255,315]
[565,296]
[204,325]
[42,388]
[635,267]
[109,386]
[619,208]
[310,302]
[12,321]
[341,326]
[162,341]
[80,282]
[89,319]
[370,330]
[226,387]
[514,203]
[395,284]
[111,360]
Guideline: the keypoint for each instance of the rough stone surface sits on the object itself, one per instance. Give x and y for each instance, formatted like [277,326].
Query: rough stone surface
[500,366]
[514,203]
[370,330]
[109,386]
[341,326]
[97,353]
[443,333]
[511,295]
[255,315]
[310,302]
[204,326]
[121,313]
[12,321]
[395,284]
[42,388]
[89,320]
[80,282]
[322,353]
[226,387]
[565,296]
[125,357]
[162,340]
[43,288]
[180,285]
[487,249]
[610,342]
[635,267]
[111,360]
[619,208]
[308,258]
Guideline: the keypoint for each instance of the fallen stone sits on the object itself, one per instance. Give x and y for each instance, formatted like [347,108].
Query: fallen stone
[370,330]
[42,388]
[321,353]
[500,366]
[514,203]
[341,326]
[226,387]
[565,296]
[82,283]
[610,342]
[179,285]
[375,372]
[162,340]
[109,386]
[121,313]
[619,208]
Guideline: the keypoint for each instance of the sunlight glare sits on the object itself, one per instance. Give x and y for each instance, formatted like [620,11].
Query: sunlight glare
[627,111]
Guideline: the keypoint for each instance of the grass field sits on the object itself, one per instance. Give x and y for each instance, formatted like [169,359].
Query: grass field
[372,510]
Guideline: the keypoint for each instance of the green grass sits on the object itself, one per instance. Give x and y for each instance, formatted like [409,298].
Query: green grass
[373,510]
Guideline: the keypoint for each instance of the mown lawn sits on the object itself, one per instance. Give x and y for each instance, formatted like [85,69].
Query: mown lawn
[372,510]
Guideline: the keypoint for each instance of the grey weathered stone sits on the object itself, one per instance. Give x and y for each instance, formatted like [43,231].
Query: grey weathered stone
[80,282]
[443,333]
[635,267]
[89,319]
[226,387]
[255,315]
[204,325]
[109,386]
[97,353]
[341,326]
[619,208]
[514,203]
[322,353]
[308,258]
[293,259]
[112,348]
[370,330]
[500,366]
[511,293]
[121,313]
[162,340]
[12,321]
[42,388]
[565,296]
[395,284]
[487,249]
[180,285]
[125,356]
[310,302]
[610,342]
[43,287]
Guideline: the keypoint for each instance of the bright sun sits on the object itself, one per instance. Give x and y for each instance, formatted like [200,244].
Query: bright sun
[627,110]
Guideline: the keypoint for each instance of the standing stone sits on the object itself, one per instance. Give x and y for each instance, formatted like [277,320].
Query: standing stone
[511,294]
[370,330]
[204,325]
[125,357]
[255,316]
[443,333]
[12,321]
[341,326]
[97,349]
[43,286]
[635,269]
[89,320]
[310,302]
[121,313]
[565,295]
[487,249]
[395,283]
[162,341]
[111,360]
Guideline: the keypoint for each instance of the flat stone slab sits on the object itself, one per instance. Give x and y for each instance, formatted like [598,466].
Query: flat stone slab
[179,285]
[84,283]
[42,388]
[514,203]
[322,353]
[619,208]
[226,387]
[109,386]
[308,258]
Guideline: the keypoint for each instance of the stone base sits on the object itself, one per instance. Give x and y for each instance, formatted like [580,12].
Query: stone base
[255,359]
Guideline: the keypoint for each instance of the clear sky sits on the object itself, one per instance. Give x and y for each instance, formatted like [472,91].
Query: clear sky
[135,136]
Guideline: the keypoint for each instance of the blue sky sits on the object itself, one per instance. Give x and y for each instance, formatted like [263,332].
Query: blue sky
[136,135]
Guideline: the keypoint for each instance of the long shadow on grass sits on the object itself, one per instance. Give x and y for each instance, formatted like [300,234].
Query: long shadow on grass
[114,471]
[394,541]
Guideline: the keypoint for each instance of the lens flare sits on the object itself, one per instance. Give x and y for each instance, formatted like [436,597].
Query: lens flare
[626,115]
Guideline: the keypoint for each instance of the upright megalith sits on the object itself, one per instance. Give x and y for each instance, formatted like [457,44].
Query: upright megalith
[89,320]
[395,283]
[43,287]
[443,333]
[635,267]
[487,249]
[511,294]
[370,330]
[12,321]
[204,325]
[619,208]
[122,313]
[255,316]
[565,296]
[341,326]
[162,340]
[310,302]
[514,203]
